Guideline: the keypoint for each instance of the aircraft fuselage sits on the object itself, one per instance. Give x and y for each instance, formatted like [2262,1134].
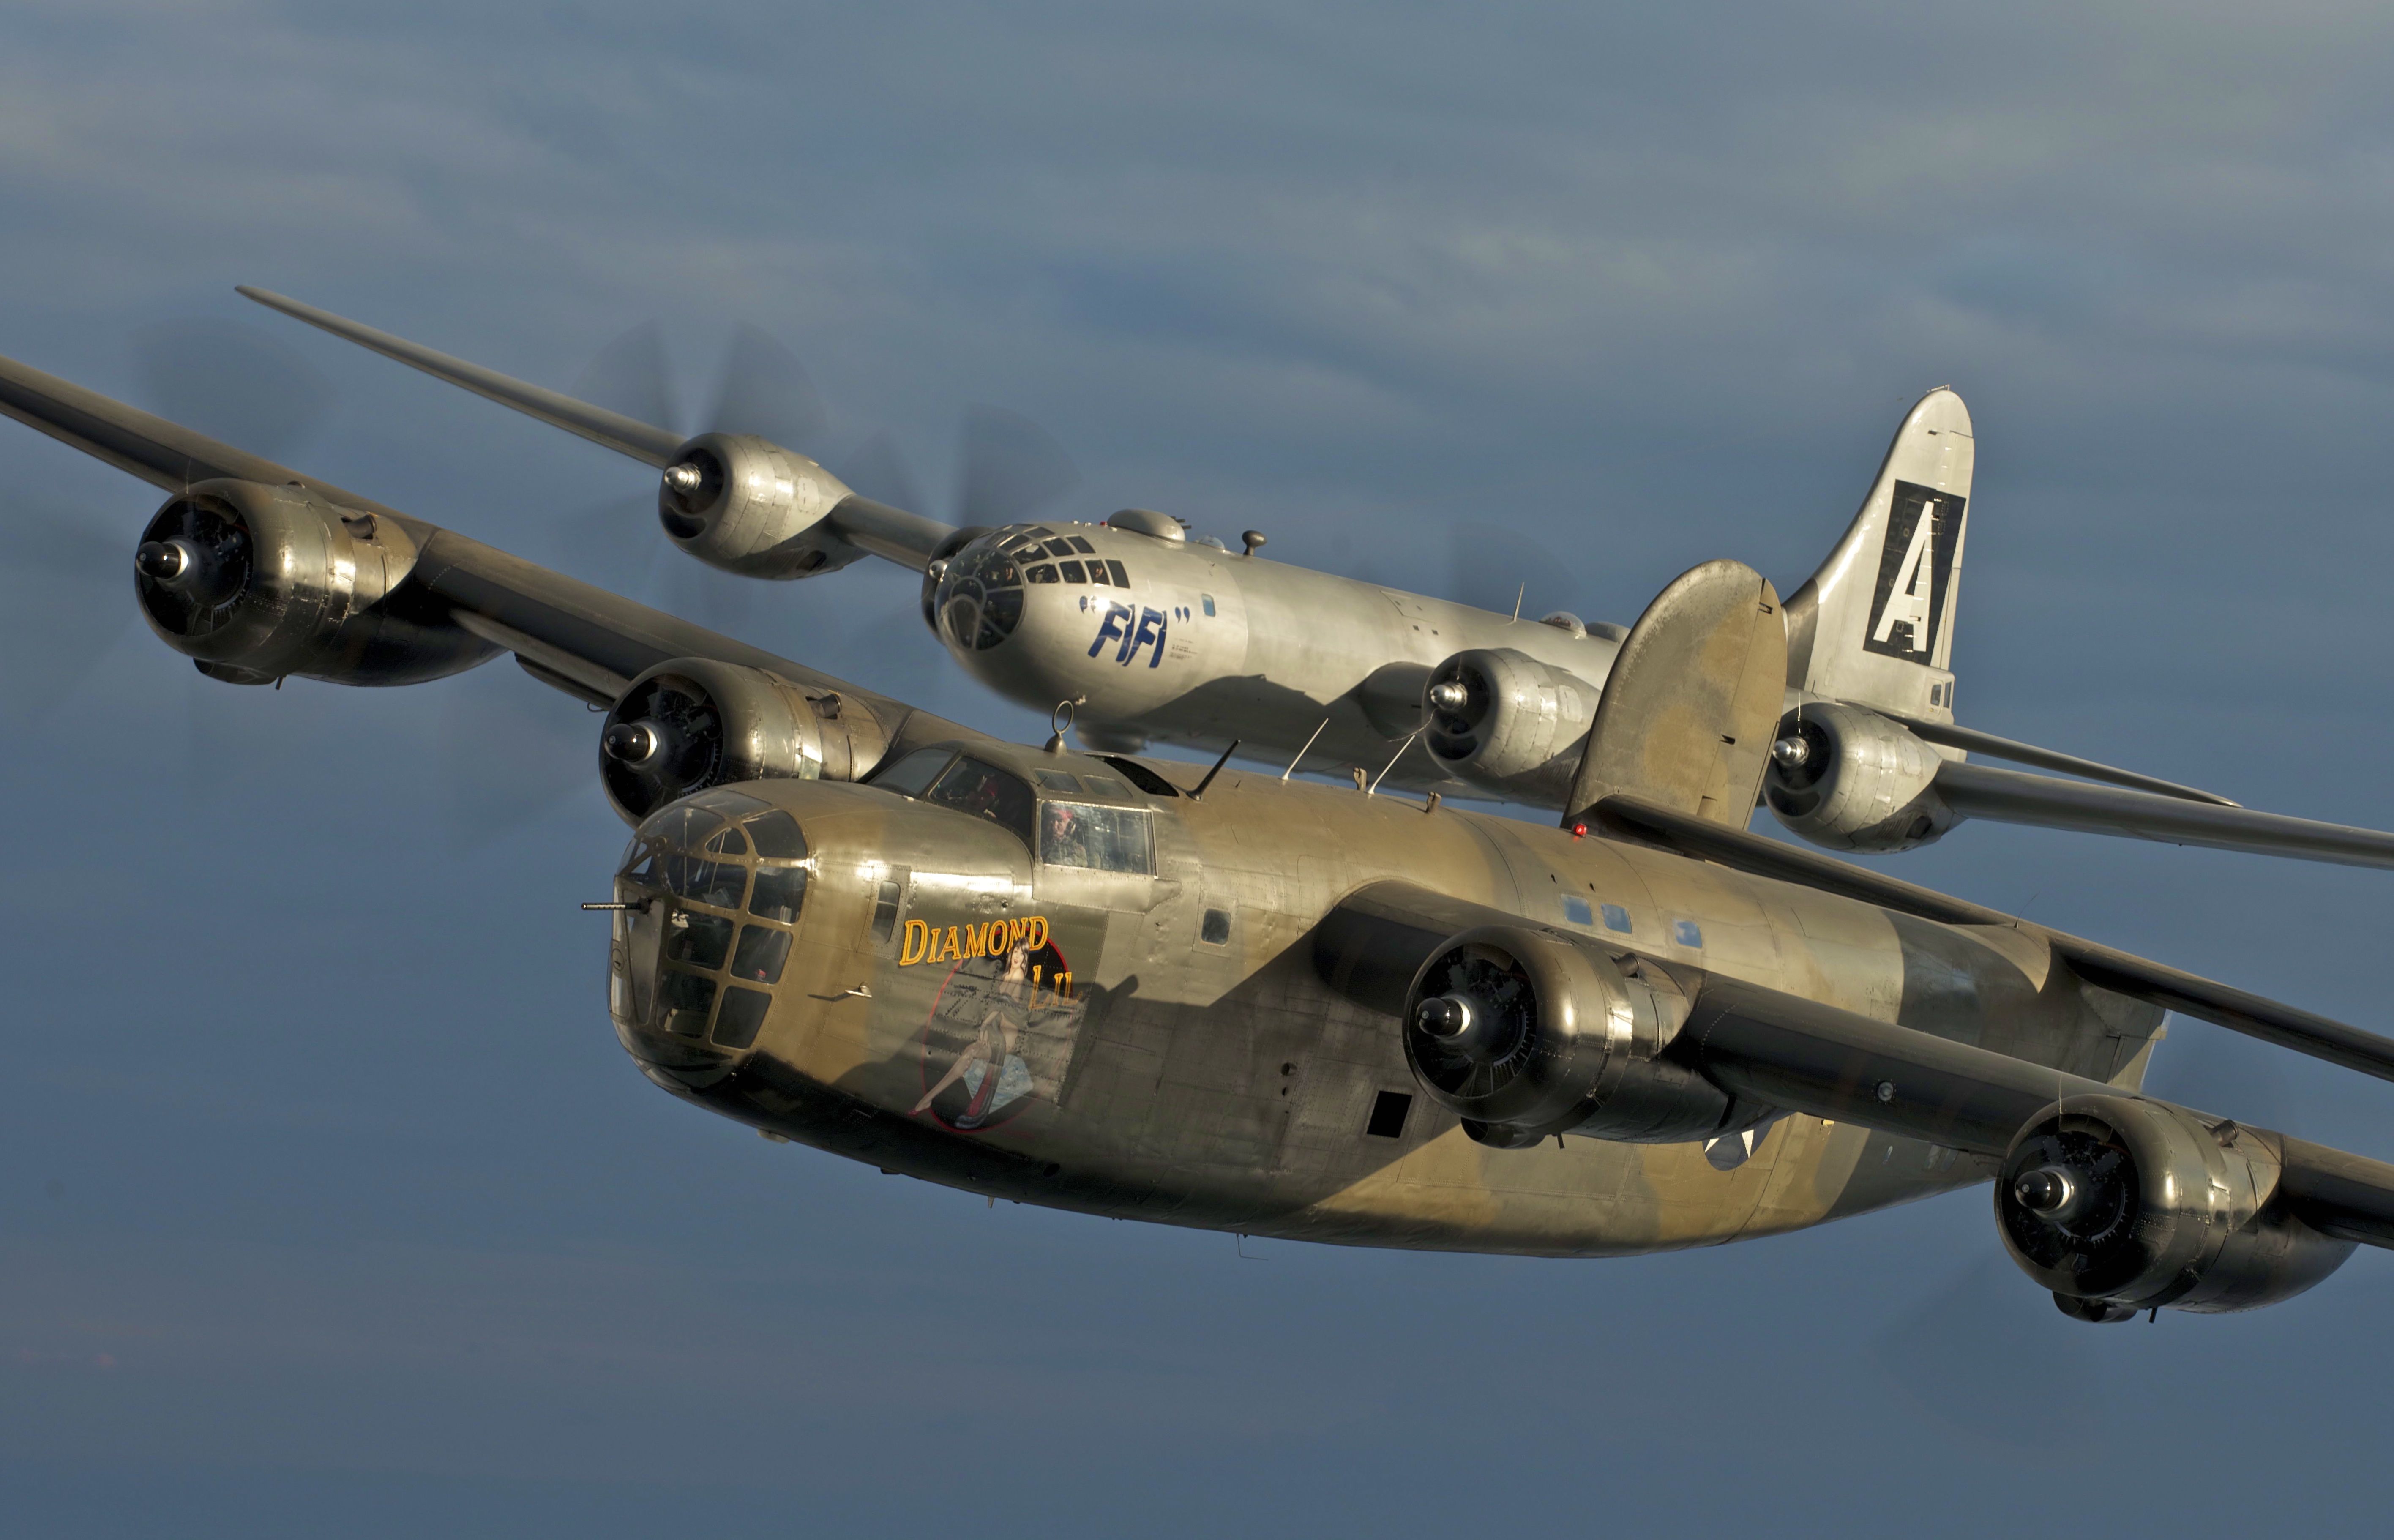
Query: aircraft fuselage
[1192,1065]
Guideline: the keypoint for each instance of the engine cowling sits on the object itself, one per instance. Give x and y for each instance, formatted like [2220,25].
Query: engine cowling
[691,723]
[748,506]
[257,583]
[1851,780]
[2119,1205]
[1524,1036]
[1505,721]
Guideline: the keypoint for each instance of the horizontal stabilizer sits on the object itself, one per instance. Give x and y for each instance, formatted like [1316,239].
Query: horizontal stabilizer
[2017,796]
[624,435]
[1972,741]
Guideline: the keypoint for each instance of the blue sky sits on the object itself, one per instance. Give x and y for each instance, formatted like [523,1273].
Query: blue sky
[327,1202]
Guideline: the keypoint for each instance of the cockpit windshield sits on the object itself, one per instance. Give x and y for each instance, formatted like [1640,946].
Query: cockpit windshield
[985,791]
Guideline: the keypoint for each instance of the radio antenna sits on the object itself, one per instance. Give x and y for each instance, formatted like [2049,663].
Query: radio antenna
[1300,753]
[1199,794]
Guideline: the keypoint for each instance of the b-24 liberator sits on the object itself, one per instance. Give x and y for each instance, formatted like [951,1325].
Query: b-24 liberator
[1142,632]
[1104,984]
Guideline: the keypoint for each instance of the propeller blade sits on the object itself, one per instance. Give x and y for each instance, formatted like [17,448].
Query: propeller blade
[511,751]
[1009,469]
[1495,568]
[765,390]
[718,600]
[232,382]
[615,544]
[1988,1356]
[66,598]
[877,469]
[631,376]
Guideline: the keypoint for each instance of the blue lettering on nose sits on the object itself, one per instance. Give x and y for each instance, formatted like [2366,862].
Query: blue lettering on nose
[1150,629]
[1116,626]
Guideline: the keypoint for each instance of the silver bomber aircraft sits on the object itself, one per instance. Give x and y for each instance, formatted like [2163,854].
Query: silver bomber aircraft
[1288,1008]
[1140,633]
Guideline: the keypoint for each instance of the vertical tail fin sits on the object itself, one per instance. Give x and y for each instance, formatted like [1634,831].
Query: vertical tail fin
[1874,625]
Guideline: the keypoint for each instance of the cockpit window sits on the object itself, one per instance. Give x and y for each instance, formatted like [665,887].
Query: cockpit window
[777,836]
[731,842]
[985,791]
[1104,839]
[913,775]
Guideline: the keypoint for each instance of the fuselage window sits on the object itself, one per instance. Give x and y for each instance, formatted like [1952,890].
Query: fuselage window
[884,914]
[913,775]
[780,891]
[1576,911]
[1104,839]
[777,836]
[1687,933]
[1140,776]
[1616,918]
[1216,929]
[1207,600]
[985,791]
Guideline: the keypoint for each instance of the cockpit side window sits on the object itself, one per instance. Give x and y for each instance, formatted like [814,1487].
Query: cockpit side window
[985,791]
[913,775]
[1104,839]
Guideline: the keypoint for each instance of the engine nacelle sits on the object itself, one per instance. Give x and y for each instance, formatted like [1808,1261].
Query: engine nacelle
[1525,1035]
[256,582]
[2119,1205]
[1851,780]
[691,723]
[1503,720]
[748,506]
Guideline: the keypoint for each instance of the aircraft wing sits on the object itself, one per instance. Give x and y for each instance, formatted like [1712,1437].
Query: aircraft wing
[895,534]
[2120,972]
[1784,1051]
[568,634]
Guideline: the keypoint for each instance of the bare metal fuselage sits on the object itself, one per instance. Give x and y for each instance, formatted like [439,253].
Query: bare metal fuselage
[1265,652]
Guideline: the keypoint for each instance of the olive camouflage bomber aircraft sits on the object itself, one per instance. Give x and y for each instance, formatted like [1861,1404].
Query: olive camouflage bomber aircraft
[1154,636]
[1286,1009]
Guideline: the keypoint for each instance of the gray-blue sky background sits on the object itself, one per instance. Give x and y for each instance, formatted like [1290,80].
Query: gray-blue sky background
[327,1202]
